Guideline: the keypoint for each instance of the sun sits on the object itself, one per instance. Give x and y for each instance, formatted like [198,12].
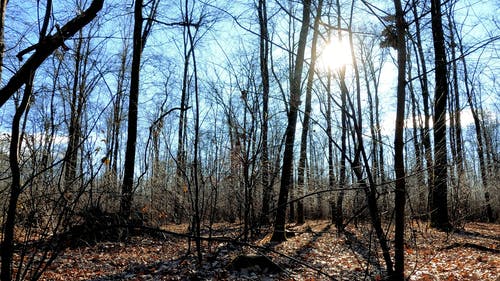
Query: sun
[335,54]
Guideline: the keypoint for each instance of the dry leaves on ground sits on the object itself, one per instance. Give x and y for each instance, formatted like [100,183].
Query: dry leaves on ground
[316,252]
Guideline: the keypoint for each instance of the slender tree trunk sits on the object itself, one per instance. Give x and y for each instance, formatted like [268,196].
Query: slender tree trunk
[196,164]
[339,221]
[361,161]
[379,138]
[439,203]
[129,166]
[3,10]
[264,72]
[181,168]
[329,132]
[455,122]
[307,113]
[456,94]
[399,166]
[424,84]
[115,124]
[77,101]
[419,161]
[373,134]
[331,167]
[477,126]
[480,149]
[295,93]
[7,249]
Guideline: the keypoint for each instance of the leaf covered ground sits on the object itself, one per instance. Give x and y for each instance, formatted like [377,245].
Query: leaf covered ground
[315,252]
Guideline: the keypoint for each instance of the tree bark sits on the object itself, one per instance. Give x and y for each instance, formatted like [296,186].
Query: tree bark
[339,220]
[264,72]
[3,10]
[424,84]
[399,166]
[307,117]
[295,93]
[439,202]
[76,103]
[7,246]
[129,166]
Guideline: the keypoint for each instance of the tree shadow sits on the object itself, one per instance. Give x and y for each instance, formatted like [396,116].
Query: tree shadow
[176,269]
[216,267]
[474,234]
[357,246]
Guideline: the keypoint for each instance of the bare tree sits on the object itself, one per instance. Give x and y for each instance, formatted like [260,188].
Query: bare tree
[399,165]
[264,72]
[307,113]
[139,40]
[295,93]
[77,102]
[129,168]
[470,92]
[439,192]
[424,86]
[7,245]
[344,92]
[456,142]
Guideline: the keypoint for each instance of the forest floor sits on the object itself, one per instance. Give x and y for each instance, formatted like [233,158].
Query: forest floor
[315,252]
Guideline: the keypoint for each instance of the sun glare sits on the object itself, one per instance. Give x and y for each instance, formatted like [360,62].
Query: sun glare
[335,54]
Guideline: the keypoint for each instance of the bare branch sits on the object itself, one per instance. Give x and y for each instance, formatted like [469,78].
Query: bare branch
[46,47]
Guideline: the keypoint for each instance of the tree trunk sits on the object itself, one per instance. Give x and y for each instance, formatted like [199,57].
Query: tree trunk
[306,121]
[181,169]
[196,170]
[331,174]
[3,10]
[478,128]
[439,202]
[7,249]
[424,84]
[456,94]
[339,221]
[399,166]
[480,149]
[77,101]
[295,92]
[116,120]
[264,72]
[129,165]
